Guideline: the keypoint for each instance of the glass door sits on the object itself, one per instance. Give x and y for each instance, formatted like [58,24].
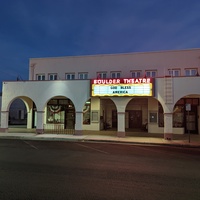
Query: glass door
[191,120]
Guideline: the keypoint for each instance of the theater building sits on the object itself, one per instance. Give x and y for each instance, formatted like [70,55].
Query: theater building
[158,91]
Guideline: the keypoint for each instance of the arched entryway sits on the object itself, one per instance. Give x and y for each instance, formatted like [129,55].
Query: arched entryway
[21,115]
[108,115]
[17,114]
[185,115]
[60,114]
[136,113]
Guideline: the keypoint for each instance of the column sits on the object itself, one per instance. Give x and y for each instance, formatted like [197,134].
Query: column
[4,121]
[121,124]
[29,119]
[40,123]
[168,126]
[78,123]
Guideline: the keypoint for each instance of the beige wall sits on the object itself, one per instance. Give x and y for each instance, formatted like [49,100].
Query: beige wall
[160,61]
[79,90]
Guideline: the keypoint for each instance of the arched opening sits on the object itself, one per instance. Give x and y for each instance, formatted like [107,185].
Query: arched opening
[108,115]
[22,115]
[17,114]
[136,115]
[185,115]
[60,115]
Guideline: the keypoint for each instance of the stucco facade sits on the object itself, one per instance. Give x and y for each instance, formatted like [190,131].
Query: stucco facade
[175,86]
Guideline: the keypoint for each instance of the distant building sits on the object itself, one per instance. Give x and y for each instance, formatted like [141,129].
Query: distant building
[133,91]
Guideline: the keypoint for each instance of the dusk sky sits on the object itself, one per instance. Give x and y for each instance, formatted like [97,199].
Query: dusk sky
[47,28]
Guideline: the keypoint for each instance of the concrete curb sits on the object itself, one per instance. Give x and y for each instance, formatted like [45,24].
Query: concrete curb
[105,139]
[146,143]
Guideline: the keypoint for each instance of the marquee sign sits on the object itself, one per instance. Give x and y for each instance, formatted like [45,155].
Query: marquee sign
[122,87]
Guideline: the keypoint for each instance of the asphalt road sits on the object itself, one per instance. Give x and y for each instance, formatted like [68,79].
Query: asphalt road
[71,170]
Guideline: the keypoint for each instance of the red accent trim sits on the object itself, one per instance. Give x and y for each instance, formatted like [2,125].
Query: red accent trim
[117,81]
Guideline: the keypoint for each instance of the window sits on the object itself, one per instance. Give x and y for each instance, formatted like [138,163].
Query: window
[174,72]
[52,77]
[57,110]
[136,74]
[86,112]
[151,73]
[178,116]
[101,75]
[70,76]
[191,72]
[40,77]
[83,75]
[115,74]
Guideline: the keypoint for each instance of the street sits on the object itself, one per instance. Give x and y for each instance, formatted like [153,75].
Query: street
[81,170]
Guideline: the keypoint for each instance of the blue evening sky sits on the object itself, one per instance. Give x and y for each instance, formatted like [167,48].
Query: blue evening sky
[50,28]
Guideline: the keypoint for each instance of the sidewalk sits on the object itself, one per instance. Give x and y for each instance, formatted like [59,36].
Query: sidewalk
[109,136]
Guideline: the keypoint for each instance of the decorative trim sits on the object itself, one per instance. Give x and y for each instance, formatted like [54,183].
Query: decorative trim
[4,130]
[39,131]
[121,113]
[79,112]
[168,136]
[78,132]
[121,134]
[40,111]
[4,111]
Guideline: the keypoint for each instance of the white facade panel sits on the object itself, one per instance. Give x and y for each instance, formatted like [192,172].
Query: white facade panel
[124,63]
[164,112]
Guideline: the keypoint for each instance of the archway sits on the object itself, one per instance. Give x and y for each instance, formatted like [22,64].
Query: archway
[136,114]
[185,115]
[108,114]
[60,115]
[21,115]
[17,114]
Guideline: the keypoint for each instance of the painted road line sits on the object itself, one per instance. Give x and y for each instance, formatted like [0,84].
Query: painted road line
[92,148]
[34,147]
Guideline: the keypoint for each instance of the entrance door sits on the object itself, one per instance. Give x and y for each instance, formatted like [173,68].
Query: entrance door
[114,119]
[135,119]
[69,119]
[191,120]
